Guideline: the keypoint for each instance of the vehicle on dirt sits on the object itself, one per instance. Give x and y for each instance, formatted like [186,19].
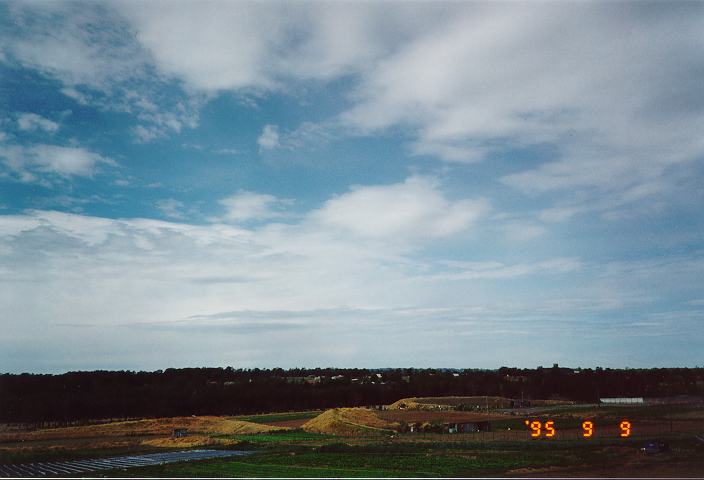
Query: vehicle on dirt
[655,447]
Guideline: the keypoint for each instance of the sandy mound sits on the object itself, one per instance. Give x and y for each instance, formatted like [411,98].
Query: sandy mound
[157,426]
[349,422]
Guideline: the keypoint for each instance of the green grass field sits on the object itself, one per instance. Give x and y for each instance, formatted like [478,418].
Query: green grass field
[464,459]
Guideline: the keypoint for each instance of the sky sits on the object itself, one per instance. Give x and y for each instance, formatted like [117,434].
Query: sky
[367,184]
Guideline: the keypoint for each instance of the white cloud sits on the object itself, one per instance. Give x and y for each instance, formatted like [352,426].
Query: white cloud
[261,46]
[612,91]
[415,208]
[615,94]
[91,50]
[171,208]
[558,213]
[522,231]
[145,134]
[212,46]
[159,124]
[30,162]
[80,98]
[33,122]
[207,288]
[269,138]
[66,161]
[245,206]
[498,270]
[79,44]
[228,151]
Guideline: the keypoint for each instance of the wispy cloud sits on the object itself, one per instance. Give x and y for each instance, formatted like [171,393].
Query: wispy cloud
[304,289]
[33,122]
[171,208]
[245,206]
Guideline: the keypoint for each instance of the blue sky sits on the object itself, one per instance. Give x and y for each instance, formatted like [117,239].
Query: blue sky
[350,184]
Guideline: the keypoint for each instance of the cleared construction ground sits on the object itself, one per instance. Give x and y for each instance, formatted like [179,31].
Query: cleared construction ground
[136,435]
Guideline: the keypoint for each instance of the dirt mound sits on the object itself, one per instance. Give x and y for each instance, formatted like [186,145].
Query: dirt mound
[450,403]
[349,422]
[157,426]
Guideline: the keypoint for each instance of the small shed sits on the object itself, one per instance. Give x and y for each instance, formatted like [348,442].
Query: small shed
[180,432]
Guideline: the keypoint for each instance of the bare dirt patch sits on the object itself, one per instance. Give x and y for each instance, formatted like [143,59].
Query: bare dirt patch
[158,426]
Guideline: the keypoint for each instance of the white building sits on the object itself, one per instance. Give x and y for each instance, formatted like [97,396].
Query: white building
[622,401]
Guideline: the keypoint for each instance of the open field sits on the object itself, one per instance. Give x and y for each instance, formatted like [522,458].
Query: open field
[289,419]
[354,442]
[393,459]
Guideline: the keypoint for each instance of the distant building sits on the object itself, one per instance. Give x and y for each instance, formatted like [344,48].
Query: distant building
[451,427]
[622,401]
[180,432]
[468,427]
[676,400]
[310,379]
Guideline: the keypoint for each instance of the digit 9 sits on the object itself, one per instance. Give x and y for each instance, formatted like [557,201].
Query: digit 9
[536,426]
[625,427]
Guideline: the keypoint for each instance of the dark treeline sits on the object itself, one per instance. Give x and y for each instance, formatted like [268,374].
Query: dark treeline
[80,396]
